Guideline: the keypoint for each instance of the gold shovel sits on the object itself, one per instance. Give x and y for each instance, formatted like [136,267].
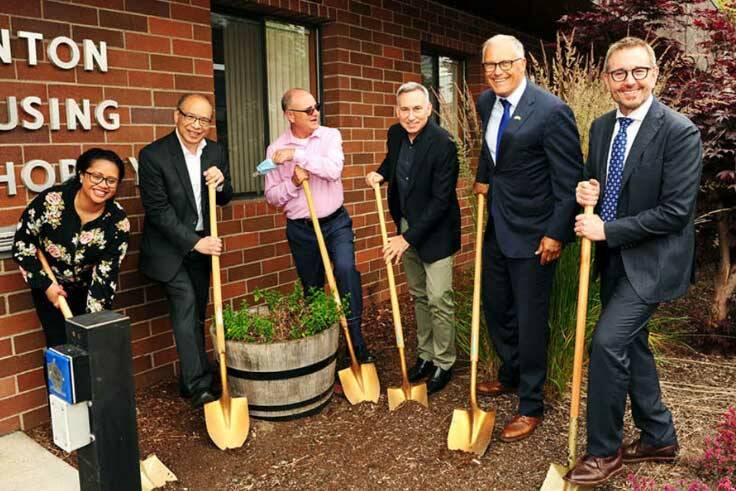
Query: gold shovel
[359,382]
[470,431]
[554,480]
[226,418]
[407,392]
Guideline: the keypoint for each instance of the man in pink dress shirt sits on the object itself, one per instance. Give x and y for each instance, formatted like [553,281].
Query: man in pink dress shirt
[309,151]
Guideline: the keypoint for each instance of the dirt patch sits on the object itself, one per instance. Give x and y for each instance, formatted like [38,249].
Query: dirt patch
[368,447]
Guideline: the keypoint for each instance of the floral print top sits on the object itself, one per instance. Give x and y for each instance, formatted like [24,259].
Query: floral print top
[86,256]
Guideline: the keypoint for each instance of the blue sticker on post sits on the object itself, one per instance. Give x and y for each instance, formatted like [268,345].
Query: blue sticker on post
[60,375]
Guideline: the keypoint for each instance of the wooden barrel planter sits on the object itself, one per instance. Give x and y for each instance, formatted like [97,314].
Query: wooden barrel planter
[284,380]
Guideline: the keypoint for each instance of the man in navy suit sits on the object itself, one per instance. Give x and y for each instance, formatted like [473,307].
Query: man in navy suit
[529,165]
[648,158]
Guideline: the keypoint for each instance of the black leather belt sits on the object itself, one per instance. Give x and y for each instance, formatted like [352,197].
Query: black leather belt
[323,220]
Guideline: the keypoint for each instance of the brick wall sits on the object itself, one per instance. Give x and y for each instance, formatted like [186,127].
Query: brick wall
[156,51]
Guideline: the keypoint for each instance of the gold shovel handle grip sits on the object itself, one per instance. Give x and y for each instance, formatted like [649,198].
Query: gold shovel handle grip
[63,304]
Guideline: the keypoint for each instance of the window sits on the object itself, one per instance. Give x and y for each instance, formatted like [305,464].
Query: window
[255,62]
[442,75]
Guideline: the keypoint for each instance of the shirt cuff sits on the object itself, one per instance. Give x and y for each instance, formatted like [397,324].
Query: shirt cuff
[220,187]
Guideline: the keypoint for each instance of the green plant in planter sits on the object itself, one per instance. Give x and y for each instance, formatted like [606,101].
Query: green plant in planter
[285,316]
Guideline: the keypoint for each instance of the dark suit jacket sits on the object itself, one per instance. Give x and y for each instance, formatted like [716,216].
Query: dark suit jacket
[656,206]
[433,211]
[168,201]
[532,186]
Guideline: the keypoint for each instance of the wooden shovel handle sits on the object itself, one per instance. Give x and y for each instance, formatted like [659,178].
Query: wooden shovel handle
[475,316]
[328,269]
[217,295]
[580,322]
[63,304]
[390,270]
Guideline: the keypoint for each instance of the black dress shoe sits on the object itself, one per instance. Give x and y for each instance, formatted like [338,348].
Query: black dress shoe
[421,369]
[199,399]
[439,379]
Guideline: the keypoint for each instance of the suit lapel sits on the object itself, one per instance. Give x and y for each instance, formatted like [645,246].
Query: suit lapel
[180,166]
[649,127]
[521,115]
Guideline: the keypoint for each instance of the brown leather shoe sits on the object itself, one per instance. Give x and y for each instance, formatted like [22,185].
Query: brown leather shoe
[494,388]
[637,451]
[591,471]
[519,428]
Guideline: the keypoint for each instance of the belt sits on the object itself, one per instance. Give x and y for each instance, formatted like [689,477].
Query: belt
[323,220]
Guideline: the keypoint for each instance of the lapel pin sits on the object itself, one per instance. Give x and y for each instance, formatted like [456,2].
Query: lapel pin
[517,117]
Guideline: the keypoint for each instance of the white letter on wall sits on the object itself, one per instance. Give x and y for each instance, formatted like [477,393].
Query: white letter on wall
[134,163]
[25,175]
[27,105]
[31,37]
[114,122]
[66,168]
[9,177]
[74,114]
[12,115]
[92,55]
[53,48]
[54,120]
[5,54]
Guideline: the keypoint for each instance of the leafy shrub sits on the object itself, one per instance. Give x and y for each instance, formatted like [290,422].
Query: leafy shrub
[281,317]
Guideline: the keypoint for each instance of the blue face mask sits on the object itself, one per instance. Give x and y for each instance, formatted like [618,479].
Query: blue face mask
[265,167]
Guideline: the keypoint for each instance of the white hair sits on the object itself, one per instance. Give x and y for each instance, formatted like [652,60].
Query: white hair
[411,87]
[515,43]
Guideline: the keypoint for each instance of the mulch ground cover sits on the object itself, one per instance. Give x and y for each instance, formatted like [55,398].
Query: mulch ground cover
[367,447]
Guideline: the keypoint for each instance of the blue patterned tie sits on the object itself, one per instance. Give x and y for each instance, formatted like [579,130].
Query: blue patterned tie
[615,172]
[502,125]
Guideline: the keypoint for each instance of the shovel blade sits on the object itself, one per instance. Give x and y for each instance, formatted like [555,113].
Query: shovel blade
[360,385]
[555,482]
[397,396]
[470,431]
[227,424]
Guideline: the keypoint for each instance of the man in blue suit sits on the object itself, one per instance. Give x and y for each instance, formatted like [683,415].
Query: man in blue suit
[529,166]
[646,158]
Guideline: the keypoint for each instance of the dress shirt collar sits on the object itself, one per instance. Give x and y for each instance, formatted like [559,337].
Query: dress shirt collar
[186,150]
[293,139]
[639,113]
[515,96]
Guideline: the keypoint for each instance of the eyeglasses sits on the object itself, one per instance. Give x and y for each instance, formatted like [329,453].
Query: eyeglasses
[639,73]
[310,110]
[191,118]
[504,65]
[97,178]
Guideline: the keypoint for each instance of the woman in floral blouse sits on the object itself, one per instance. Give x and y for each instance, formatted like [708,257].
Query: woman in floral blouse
[83,232]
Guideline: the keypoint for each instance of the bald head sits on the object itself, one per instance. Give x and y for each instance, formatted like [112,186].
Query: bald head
[184,99]
[289,95]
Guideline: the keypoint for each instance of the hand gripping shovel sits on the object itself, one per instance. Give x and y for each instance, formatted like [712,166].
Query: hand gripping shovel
[63,304]
[407,392]
[359,382]
[470,431]
[227,418]
[554,480]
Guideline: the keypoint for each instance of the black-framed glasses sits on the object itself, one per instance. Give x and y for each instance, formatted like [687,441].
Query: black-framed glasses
[98,178]
[639,73]
[505,65]
[191,118]
[310,110]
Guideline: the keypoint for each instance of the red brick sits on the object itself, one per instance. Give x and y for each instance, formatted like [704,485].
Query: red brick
[169,355]
[30,8]
[132,97]
[170,28]
[76,92]
[149,7]
[6,347]
[9,425]
[131,134]
[154,343]
[127,59]
[112,38]
[43,71]
[70,13]
[22,402]
[11,282]
[172,63]
[110,4]
[29,342]
[151,79]
[125,22]
[202,33]
[151,377]
[142,363]
[193,83]
[18,323]
[30,380]
[36,417]
[144,42]
[193,14]
[7,387]
[194,49]
[96,134]
[48,29]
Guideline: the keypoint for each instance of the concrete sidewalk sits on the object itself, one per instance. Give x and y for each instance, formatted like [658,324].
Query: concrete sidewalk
[26,465]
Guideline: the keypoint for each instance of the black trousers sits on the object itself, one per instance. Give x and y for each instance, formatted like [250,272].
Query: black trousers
[52,320]
[516,305]
[338,233]
[188,292]
[621,363]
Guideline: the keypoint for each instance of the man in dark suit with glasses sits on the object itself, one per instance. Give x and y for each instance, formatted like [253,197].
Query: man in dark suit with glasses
[174,173]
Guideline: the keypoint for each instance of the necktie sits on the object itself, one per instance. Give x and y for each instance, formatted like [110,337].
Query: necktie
[615,172]
[504,122]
